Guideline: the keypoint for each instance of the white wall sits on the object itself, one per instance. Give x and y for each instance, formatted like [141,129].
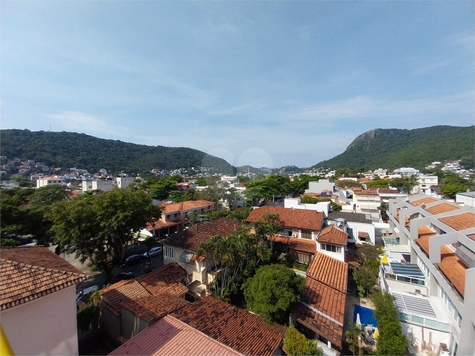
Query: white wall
[295,203]
[44,326]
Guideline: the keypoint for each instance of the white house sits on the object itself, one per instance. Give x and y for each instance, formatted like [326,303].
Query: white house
[38,301]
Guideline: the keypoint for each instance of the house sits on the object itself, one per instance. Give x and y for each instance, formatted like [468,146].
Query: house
[434,285]
[97,184]
[182,247]
[124,182]
[38,301]
[43,182]
[243,331]
[425,182]
[130,306]
[174,216]
[321,311]
[359,227]
[170,336]
[332,242]
[367,202]
[296,203]
[300,229]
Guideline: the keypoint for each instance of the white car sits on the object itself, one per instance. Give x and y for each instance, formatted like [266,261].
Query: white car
[154,251]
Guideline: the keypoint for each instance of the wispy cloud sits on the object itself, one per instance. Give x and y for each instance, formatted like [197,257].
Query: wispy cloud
[82,122]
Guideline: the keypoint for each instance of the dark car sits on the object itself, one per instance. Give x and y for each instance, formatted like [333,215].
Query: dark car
[133,259]
[122,276]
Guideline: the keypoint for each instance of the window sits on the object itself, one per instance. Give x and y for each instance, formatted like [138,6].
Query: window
[176,215]
[306,234]
[169,251]
[168,217]
[331,248]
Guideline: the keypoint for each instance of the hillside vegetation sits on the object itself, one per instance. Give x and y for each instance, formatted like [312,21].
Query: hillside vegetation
[69,149]
[394,148]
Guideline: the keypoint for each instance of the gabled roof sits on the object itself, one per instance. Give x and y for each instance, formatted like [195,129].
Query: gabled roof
[295,243]
[333,235]
[150,297]
[329,271]
[322,310]
[170,336]
[460,222]
[184,206]
[245,332]
[28,273]
[296,218]
[191,238]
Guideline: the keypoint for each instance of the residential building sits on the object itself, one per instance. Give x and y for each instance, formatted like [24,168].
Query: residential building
[332,241]
[466,199]
[97,184]
[300,229]
[319,186]
[424,183]
[182,247]
[124,182]
[390,193]
[367,202]
[43,182]
[170,336]
[37,301]
[434,284]
[243,331]
[359,227]
[321,312]
[175,216]
[130,306]
[296,203]
[406,171]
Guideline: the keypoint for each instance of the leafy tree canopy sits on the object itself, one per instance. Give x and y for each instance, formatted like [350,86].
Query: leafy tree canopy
[273,291]
[296,344]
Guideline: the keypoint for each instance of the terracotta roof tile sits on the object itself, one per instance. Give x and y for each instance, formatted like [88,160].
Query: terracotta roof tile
[453,268]
[21,282]
[166,279]
[237,328]
[297,244]
[329,271]
[191,238]
[366,192]
[170,336]
[333,235]
[471,236]
[160,224]
[442,208]
[460,222]
[423,233]
[423,201]
[330,303]
[388,191]
[297,218]
[184,206]
[363,235]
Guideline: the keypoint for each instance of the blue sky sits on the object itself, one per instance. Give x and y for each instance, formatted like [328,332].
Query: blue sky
[266,83]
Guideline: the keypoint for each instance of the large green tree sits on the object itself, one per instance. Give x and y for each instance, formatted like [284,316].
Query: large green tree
[99,225]
[273,291]
[296,344]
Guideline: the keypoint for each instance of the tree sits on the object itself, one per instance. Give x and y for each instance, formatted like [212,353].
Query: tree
[391,341]
[364,279]
[451,189]
[405,184]
[383,208]
[353,339]
[348,183]
[296,344]
[201,182]
[99,225]
[273,291]
[48,195]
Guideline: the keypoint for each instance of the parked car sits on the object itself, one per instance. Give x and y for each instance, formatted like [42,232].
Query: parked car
[154,251]
[133,259]
[122,276]
[85,293]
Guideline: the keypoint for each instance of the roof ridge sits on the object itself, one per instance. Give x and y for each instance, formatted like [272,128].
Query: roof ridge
[40,268]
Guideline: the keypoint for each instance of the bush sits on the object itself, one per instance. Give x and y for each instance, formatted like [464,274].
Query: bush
[296,344]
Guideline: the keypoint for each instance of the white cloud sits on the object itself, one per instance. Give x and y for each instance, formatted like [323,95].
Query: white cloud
[82,122]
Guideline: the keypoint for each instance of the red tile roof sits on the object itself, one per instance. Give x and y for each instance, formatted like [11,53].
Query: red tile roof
[423,233]
[237,328]
[363,235]
[333,235]
[453,268]
[28,273]
[460,222]
[442,208]
[170,336]
[366,192]
[329,271]
[191,238]
[166,279]
[423,201]
[297,244]
[330,303]
[388,191]
[471,236]
[184,206]
[296,218]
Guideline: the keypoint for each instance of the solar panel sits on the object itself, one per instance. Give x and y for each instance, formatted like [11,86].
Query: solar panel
[409,270]
[409,304]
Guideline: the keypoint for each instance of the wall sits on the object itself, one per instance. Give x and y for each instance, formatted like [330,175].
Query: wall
[44,326]
[131,324]
[399,286]
[417,334]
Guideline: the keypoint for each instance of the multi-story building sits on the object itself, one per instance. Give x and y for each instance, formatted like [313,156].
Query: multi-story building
[367,202]
[43,182]
[425,182]
[434,284]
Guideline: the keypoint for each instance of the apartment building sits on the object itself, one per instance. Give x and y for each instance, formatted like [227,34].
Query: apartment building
[434,284]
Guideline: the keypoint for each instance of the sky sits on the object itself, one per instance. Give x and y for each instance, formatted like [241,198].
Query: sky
[265,83]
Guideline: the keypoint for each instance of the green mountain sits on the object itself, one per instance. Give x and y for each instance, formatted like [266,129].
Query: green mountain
[69,149]
[394,148]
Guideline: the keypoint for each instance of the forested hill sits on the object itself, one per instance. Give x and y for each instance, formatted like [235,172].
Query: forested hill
[394,148]
[69,149]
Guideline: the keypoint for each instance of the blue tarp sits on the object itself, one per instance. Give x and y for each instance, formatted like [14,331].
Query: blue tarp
[366,315]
